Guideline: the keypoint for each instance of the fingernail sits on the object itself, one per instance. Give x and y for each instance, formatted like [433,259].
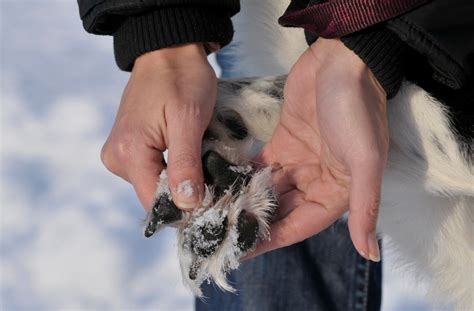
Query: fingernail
[187,195]
[374,250]
[184,205]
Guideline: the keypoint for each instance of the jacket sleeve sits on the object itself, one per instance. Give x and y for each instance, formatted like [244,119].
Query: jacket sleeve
[441,30]
[359,25]
[142,26]
[383,52]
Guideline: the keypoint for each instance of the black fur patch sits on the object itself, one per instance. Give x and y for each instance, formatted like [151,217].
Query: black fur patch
[438,145]
[236,85]
[276,90]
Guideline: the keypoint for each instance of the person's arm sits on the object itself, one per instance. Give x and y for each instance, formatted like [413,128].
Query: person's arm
[139,27]
[171,93]
[442,32]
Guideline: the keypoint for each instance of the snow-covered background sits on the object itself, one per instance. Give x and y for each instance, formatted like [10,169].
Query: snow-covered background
[70,234]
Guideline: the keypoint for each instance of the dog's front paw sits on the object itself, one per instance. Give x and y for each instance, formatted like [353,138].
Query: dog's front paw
[235,213]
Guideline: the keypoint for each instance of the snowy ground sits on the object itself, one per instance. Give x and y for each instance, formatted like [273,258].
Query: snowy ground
[70,231]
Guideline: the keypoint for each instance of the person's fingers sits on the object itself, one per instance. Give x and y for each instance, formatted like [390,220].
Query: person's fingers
[303,222]
[139,166]
[281,181]
[110,155]
[185,175]
[144,174]
[264,158]
[280,178]
[364,208]
[287,203]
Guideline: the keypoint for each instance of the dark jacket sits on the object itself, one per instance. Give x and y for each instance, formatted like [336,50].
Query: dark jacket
[146,25]
[440,32]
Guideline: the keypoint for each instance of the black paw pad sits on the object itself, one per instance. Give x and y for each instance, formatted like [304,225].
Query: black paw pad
[163,212]
[207,238]
[221,174]
[247,230]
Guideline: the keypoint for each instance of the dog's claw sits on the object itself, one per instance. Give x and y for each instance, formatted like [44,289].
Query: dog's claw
[164,211]
[151,228]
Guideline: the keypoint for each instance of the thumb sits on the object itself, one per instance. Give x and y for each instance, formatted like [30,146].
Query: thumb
[185,175]
[263,158]
[266,156]
[144,174]
[364,209]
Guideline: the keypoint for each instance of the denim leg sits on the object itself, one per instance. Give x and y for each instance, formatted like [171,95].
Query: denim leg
[321,273]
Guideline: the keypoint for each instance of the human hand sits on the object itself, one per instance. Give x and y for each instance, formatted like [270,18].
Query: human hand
[167,104]
[329,149]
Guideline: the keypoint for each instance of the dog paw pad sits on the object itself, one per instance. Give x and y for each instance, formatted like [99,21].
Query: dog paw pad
[206,238]
[247,230]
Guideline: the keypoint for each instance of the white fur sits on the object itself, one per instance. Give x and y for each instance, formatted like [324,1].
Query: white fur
[428,197]
[427,209]
[263,48]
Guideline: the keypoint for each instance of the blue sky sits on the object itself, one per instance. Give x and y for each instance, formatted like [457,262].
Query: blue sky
[71,233]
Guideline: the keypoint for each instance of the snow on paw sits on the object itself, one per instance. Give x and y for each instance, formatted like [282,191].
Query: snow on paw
[235,213]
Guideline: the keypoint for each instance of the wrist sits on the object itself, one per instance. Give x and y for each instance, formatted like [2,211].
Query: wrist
[334,59]
[168,26]
[383,52]
[172,56]
[332,54]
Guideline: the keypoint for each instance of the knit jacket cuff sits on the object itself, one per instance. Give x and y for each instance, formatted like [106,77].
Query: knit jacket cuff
[167,27]
[383,52]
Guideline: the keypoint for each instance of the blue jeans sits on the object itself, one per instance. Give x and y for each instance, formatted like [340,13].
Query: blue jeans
[322,273]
